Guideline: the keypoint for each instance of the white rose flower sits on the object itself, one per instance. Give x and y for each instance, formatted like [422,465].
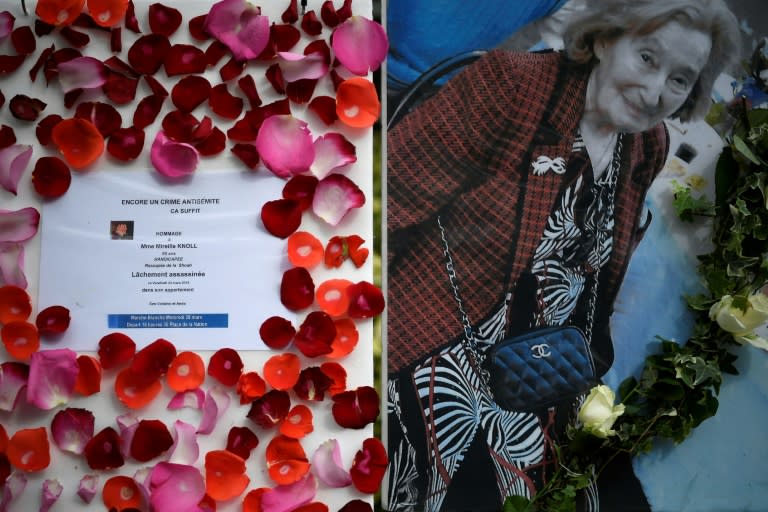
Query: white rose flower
[742,323]
[598,412]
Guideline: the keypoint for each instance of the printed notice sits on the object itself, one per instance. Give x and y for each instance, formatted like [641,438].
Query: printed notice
[189,262]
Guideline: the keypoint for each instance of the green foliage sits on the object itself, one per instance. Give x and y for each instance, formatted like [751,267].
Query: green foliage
[687,206]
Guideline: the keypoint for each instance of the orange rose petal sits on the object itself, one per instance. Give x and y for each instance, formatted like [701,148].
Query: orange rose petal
[332,296]
[250,386]
[225,475]
[252,501]
[338,374]
[357,103]
[107,12]
[304,249]
[346,338]
[120,493]
[88,375]
[15,304]
[21,339]
[298,423]
[79,141]
[28,449]
[286,460]
[132,393]
[187,371]
[59,12]
[282,371]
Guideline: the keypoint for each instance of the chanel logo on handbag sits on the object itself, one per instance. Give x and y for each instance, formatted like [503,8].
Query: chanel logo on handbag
[540,350]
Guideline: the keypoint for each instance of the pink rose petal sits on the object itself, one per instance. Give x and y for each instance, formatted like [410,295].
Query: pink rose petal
[12,264]
[72,428]
[332,152]
[13,488]
[193,399]
[18,225]
[240,26]
[335,196]
[285,145]
[285,498]
[216,403]
[50,494]
[175,487]
[185,449]
[13,378]
[327,466]
[81,73]
[127,423]
[88,487]
[13,163]
[296,66]
[6,24]
[173,159]
[360,45]
[52,376]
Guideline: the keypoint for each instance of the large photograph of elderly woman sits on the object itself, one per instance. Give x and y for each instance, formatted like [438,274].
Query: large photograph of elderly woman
[517,195]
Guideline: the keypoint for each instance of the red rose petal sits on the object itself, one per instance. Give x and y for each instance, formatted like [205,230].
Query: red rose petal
[298,423]
[346,338]
[52,320]
[250,386]
[45,128]
[88,375]
[196,29]
[302,189]
[156,87]
[104,116]
[338,376]
[297,290]
[150,440]
[270,409]
[356,408]
[301,91]
[71,97]
[74,37]
[23,40]
[79,141]
[277,332]
[10,63]
[147,111]
[310,24]
[163,20]
[225,366]
[286,460]
[118,65]
[312,384]
[131,23]
[225,476]
[275,76]
[103,450]
[126,144]
[281,371]
[345,12]
[42,28]
[232,69]
[121,493]
[203,130]
[328,14]
[369,466]
[133,390]
[189,92]
[119,88]
[184,59]
[215,52]
[225,104]
[281,217]
[44,56]
[152,362]
[241,440]
[365,300]
[247,153]
[116,40]
[147,53]
[248,85]
[180,126]
[284,37]
[29,450]
[213,144]
[304,250]
[25,108]
[291,13]
[20,339]
[115,350]
[316,334]
[7,136]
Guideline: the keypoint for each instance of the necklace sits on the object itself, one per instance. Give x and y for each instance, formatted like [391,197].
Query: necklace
[600,150]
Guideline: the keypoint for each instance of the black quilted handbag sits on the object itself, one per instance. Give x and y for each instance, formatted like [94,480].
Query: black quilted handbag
[540,368]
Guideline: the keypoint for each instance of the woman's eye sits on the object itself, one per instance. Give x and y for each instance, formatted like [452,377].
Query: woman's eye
[646,57]
[680,82]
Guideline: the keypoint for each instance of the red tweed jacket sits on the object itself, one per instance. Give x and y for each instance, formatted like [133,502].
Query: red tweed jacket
[466,155]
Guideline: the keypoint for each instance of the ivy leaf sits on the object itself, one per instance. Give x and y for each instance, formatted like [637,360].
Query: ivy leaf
[687,206]
[699,302]
[741,146]
[518,504]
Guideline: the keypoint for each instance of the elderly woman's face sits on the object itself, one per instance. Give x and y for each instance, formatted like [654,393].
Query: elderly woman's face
[642,80]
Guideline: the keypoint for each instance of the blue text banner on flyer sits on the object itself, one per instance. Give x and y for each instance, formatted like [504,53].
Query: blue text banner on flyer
[189,262]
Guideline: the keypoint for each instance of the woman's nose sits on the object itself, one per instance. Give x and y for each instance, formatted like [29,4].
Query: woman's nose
[652,89]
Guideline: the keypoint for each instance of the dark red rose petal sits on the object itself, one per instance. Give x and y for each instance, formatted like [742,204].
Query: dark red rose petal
[163,20]
[150,439]
[302,189]
[23,40]
[276,332]
[324,107]
[297,290]
[215,52]
[152,362]
[131,23]
[119,88]
[51,177]
[316,334]
[312,384]
[336,79]
[184,59]
[213,144]
[103,450]
[189,92]
[345,12]
[248,85]
[225,366]
[284,37]
[196,29]
[2,99]
[225,104]
[115,349]
[74,37]
[115,63]
[147,111]
[126,144]
[7,137]
[180,126]
[291,13]
[52,320]
[243,129]
[148,52]
[247,153]
[104,116]
[328,14]
[310,24]
[71,97]
[241,440]
[301,91]
[275,77]
[365,300]
[42,28]
[270,409]
[156,87]
[232,69]
[356,506]
[44,56]
[10,63]
[116,40]
[281,217]
[369,466]
[356,408]
[203,130]
[25,108]
[5,468]
[321,47]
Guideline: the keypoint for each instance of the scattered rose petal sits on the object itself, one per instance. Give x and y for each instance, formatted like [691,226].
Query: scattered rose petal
[175,487]
[23,40]
[13,163]
[337,374]
[331,296]
[88,488]
[88,375]
[360,45]
[185,449]
[163,20]
[190,91]
[196,28]
[133,390]
[365,300]
[155,86]
[301,91]
[291,13]
[25,108]
[241,441]
[215,52]
[20,339]
[121,492]
[150,440]
[45,128]
[302,189]
[103,450]
[312,384]
[248,86]
[10,63]
[184,59]
[335,196]
[215,404]
[181,126]
[51,177]
[281,371]
[269,410]
[224,104]
[285,145]
[14,487]
[225,476]
[304,250]
[315,335]
[296,66]
[232,69]
[225,366]
[79,141]
[248,155]
[62,12]
[131,23]
[6,24]
[52,320]
[356,506]
[186,372]
[52,376]
[346,338]
[148,52]
[126,144]
[147,110]
[286,460]
[7,135]
[357,103]
[13,379]
[283,38]
[72,428]
[120,88]
[116,349]
[153,361]
[173,159]
[286,498]
[328,14]
[18,226]
[369,466]
[194,398]
[281,217]
[310,24]
[104,116]
[356,408]
[15,304]
[332,152]
[28,449]
[107,13]
[275,76]
[297,290]
[276,332]
[327,465]
[81,73]
[12,264]
[298,423]
[240,26]
[250,386]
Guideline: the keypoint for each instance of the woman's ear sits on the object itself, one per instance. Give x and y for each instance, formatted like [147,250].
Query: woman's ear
[599,48]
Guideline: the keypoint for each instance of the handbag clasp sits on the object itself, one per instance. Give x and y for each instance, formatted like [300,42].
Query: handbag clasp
[540,351]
